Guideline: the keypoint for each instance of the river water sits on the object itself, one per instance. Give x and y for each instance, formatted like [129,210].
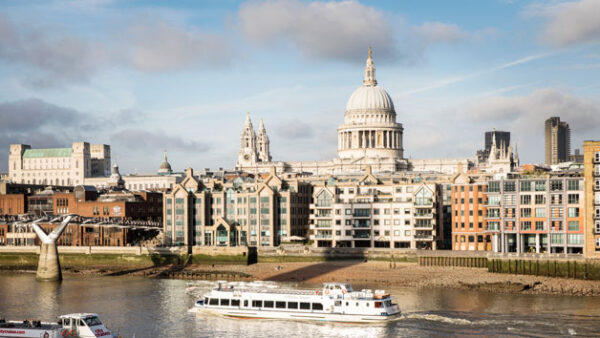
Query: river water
[159,308]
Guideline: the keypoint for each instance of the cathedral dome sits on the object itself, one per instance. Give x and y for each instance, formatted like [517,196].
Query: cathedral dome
[165,167]
[367,97]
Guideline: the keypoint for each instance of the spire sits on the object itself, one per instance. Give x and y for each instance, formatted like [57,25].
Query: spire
[165,155]
[248,121]
[370,71]
[115,168]
[261,126]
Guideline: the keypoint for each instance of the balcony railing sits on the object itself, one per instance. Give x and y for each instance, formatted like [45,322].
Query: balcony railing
[361,236]
[323,236]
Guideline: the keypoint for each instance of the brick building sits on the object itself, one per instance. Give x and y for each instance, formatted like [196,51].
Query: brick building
[469,215]
[13,204]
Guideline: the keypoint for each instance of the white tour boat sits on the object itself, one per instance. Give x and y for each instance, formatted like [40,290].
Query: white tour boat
[335,302]
[82,325]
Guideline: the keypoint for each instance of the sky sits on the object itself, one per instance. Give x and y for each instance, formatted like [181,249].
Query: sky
[180,76]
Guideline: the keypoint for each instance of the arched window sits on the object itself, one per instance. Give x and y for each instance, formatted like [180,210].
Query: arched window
[423,197]
[324,199]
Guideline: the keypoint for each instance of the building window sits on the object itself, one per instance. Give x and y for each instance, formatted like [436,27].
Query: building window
[525,225]
[540,212]
[573,198]
[573,212]
[525,199]
[572,185]
[540,185]
[573,225]
[575,239]
[525,185]
[540,225]
[556,185]
[526,212]
[494,187]
[509,186]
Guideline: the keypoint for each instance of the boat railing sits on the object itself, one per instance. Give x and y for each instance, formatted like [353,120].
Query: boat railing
[271,291]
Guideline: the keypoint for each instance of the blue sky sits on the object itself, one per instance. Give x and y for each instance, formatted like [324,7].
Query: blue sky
[144,76]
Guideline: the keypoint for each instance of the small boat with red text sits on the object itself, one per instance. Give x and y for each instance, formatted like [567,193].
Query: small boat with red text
[83,325]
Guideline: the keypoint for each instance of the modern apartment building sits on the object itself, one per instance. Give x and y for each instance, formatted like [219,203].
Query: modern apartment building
[376,212]
[469,213]
[536,214]
[239,211]
[591,162]
[557,140]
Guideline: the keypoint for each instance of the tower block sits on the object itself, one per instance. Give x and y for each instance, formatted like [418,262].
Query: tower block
[49,264]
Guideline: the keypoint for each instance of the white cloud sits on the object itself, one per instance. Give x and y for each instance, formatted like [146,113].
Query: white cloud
[434,32]
[569,23]
[156,45]
[340,30]
[55,57]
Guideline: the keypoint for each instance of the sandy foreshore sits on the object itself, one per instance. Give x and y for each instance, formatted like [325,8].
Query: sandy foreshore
[381,274]
[378,274]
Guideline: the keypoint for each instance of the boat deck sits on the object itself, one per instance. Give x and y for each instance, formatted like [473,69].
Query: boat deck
[35,325]
[271,291]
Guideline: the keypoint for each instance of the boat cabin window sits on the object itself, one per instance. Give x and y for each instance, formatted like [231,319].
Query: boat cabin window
[280,305]
[214,301]
[269,303]
[81,323]
[224,302]
[377,305]
[367,304]
[206,300]
[257,303]
[93,321]
[235,302]
[246,303]
[317,306]
[305,306]
[338,303]
[292,305]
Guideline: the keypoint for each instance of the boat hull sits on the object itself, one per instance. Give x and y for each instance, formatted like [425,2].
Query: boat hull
[296,315]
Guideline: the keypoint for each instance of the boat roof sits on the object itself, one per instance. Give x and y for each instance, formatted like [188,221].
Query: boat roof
[346,285]
[79,315]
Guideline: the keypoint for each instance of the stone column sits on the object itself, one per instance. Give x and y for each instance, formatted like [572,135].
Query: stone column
[364,139]
[537,243]
[48,264]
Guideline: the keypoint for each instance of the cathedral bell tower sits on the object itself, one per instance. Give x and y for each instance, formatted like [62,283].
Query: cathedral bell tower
[262,143]
[247,155]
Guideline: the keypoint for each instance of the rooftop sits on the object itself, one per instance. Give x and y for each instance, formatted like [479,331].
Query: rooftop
[48,152]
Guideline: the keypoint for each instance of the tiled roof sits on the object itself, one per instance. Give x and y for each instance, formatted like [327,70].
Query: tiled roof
[50,152]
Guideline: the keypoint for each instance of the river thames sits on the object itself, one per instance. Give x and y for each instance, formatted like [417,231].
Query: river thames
[159,308]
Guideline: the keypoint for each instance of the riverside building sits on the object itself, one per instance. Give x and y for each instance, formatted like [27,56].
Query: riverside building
[236,211]
[375,212]
[58,166]
[591,155]
[469,212]
[536,214]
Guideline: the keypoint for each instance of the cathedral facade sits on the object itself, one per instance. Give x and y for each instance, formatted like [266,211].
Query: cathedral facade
[370,136]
